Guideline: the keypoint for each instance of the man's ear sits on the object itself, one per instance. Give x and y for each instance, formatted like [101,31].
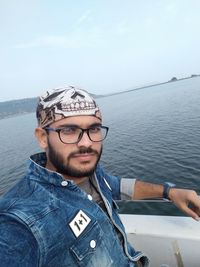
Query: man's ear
[41,136]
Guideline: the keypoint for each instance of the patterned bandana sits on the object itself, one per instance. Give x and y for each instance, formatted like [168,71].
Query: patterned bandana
[65,102]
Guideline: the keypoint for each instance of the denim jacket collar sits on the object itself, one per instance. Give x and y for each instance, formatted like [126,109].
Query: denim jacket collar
[37,165]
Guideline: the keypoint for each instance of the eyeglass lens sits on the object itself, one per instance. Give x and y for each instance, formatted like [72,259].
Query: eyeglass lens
[74,134]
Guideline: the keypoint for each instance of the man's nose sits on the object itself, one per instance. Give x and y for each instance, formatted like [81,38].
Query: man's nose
[85,140]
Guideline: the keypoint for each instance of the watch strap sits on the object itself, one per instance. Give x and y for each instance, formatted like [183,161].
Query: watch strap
[167,187]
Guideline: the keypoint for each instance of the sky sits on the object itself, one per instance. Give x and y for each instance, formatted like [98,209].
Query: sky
[103,46]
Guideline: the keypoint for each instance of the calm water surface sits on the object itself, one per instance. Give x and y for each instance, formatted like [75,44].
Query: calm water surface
[154,135]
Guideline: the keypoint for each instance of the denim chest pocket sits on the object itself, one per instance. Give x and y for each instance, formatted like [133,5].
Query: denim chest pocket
[90,249]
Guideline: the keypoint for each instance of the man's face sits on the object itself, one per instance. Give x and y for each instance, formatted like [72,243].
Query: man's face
[73,160]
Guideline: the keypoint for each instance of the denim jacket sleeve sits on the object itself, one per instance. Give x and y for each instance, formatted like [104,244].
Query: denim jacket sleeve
[18,246]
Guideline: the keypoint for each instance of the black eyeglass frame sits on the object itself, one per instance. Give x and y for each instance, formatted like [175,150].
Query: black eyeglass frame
[58,130]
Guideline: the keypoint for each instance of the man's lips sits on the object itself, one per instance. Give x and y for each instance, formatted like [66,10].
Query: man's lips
[84,156]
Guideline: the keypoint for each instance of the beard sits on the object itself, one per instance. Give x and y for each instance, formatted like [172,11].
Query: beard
[63,165]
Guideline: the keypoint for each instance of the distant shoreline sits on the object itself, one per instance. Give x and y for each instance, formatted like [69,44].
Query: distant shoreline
[174,79]
[18,107]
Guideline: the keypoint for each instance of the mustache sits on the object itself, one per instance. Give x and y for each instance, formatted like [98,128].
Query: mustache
[84,150]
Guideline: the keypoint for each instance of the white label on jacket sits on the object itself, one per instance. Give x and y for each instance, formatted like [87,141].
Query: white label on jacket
[79,223]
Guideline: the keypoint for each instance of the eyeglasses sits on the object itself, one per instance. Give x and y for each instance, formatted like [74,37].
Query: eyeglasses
[73,134]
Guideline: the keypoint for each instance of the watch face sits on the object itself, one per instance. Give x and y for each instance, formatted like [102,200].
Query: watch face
[170,184]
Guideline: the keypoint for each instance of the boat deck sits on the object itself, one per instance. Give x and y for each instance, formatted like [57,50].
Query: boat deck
[169,240]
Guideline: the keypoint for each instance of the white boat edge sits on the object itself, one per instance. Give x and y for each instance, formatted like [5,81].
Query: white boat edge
[168,240]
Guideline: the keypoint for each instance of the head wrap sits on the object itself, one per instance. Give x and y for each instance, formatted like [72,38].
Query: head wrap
[60,103]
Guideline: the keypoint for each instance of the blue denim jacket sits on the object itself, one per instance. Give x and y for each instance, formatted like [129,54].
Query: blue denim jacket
[48,221]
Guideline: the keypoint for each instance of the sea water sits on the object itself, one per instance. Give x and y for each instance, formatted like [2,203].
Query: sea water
[154,135]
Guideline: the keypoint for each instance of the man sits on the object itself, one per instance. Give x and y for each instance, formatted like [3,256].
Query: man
[63,212]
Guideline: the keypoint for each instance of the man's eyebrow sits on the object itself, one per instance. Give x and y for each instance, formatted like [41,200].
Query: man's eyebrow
[95,124]
[68,125]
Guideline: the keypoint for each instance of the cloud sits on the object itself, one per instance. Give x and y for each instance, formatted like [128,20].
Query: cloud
[54,41]
[124,28]
[76,38]
[85,17]
[83,34]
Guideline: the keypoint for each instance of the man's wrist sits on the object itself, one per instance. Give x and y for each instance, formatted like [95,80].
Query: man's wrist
[166,188]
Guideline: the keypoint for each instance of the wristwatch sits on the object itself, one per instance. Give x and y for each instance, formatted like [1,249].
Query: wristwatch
[167,186]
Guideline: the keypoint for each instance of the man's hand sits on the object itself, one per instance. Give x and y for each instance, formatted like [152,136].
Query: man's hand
[186,200]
